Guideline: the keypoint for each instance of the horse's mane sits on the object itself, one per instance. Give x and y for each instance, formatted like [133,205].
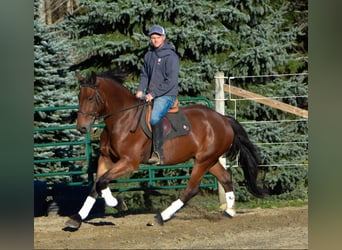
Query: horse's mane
[117,75]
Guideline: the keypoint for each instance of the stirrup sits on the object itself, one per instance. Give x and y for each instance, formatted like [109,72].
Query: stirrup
[155,158]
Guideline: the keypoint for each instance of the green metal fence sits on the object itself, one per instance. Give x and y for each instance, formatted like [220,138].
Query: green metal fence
[148,175]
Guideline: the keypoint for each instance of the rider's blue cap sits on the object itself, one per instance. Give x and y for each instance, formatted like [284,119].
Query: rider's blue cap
[156,29]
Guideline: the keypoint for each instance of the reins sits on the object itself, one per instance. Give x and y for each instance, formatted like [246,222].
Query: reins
[139,118]
[140,103]
[99,99]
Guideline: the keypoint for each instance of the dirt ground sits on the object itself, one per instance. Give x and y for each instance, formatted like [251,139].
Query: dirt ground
[191,228]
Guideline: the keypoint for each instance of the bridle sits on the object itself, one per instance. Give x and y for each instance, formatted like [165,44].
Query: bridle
[100,100]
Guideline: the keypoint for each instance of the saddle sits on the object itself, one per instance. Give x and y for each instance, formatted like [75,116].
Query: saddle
[175,123]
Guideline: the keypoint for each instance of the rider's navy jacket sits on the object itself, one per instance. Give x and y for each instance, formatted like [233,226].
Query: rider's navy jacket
[159,75]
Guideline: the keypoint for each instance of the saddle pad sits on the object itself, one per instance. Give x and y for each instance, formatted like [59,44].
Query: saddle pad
[174,124]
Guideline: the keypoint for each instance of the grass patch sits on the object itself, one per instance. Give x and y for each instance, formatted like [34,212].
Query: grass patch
[271,203]
[158,200]
[211,202]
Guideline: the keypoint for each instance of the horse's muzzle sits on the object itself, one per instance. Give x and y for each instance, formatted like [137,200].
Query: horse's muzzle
[84,126]
[83,130]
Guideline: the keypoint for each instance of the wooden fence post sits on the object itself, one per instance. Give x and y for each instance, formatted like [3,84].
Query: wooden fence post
[219,106]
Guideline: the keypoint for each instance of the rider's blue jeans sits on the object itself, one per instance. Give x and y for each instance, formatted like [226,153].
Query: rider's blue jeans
[161,105]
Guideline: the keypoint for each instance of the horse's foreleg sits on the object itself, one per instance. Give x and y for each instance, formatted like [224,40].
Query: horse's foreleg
[225,179]
[103,165]
[115,170]
[106,193]
[75,221]
[100,187]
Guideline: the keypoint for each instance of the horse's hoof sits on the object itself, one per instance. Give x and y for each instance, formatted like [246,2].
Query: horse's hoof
[74,221]
[229,212]
[121,206]
[158,218]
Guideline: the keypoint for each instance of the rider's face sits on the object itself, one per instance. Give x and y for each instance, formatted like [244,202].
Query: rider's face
[157,40]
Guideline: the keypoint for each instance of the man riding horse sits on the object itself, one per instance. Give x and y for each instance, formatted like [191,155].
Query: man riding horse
[159,83]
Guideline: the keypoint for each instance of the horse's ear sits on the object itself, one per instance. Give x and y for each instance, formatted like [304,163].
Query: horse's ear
[79,77]
[93,77]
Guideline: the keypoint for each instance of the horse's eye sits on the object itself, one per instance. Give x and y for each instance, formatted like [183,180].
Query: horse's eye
[90,98]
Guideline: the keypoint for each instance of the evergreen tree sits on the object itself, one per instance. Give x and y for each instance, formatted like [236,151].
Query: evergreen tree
[54,86]
[238,37]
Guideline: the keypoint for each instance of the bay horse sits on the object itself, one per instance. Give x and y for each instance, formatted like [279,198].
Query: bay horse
[124,145]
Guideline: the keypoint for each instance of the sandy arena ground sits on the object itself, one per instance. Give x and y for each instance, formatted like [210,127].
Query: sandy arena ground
[191,228]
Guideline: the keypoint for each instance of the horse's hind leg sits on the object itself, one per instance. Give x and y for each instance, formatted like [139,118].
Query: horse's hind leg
[190,191]
[225,179]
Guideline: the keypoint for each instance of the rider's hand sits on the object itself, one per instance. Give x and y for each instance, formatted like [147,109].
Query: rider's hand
[139,94]
[149,97]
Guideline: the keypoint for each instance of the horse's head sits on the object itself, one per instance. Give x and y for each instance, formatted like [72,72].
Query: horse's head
[90,102]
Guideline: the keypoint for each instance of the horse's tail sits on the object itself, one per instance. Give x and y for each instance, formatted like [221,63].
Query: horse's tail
[249,157]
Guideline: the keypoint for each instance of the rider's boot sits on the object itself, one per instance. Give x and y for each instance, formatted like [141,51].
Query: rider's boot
[157,140]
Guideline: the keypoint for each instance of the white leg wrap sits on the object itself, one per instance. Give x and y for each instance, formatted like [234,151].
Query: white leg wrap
[171,210]
[230,199]
[87,206]
[109,199]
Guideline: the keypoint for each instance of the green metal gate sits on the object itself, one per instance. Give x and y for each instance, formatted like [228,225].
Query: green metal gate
[146,176]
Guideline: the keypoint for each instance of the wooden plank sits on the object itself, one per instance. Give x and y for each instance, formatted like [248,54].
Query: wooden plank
[267,101]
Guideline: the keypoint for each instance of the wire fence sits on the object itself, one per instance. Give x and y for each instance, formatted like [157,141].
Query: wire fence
[299,143]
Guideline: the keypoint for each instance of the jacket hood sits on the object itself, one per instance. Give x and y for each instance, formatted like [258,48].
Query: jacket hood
[165,50]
